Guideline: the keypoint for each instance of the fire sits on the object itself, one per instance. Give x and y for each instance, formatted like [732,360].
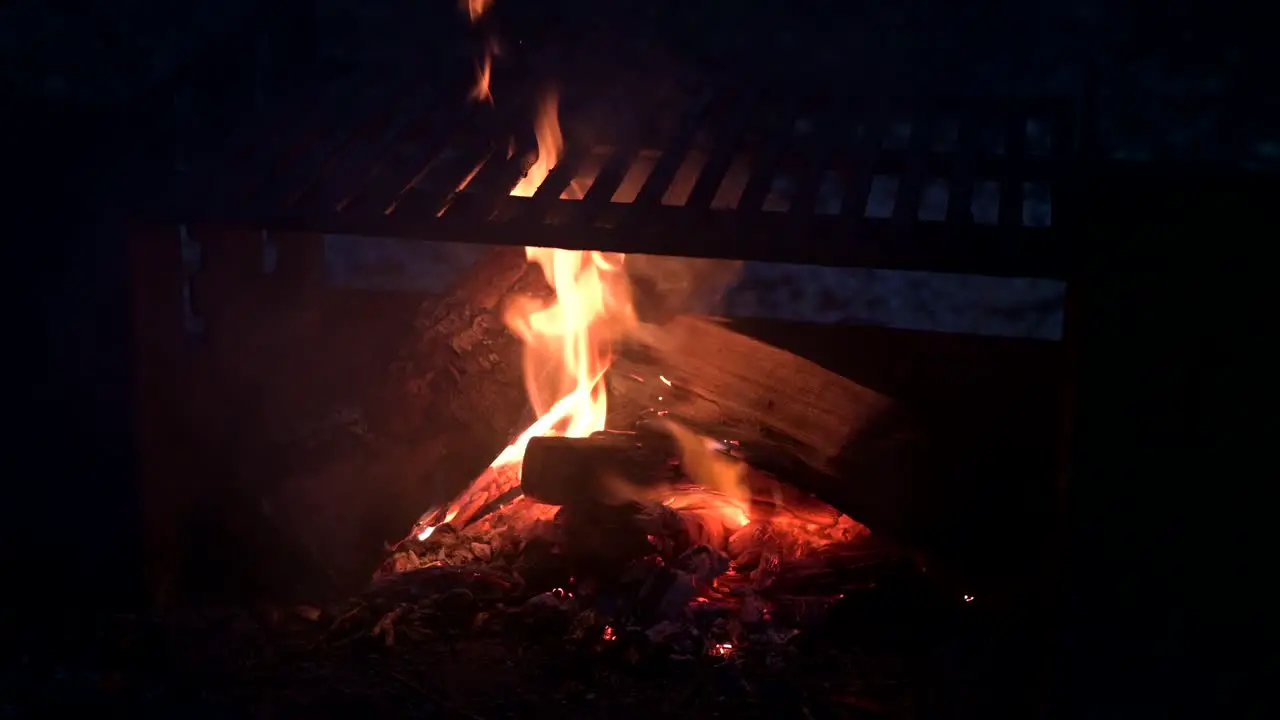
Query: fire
[568,339]
[484,70]
[546,129]
[715,471]
[476,8]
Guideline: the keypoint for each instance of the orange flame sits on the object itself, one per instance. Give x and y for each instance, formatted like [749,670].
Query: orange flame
[567,340]
[476,8]
[484,71]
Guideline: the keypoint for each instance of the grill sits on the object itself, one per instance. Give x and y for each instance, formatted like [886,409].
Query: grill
[958,186]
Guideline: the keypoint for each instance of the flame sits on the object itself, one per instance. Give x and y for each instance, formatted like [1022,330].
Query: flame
[711,469]
[484,71]
[546,129]
[568,339]
[476,8]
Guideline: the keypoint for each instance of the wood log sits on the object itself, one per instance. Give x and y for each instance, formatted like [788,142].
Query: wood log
[698,372]
[564,471]
[446,404]
[850,446]
[456,395]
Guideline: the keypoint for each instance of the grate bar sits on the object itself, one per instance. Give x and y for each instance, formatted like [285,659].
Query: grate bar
[441,181]
[286,164]
[609,180]
[766,158]
[815,160]
[721,156]
[1015,137]
[557,181]
[964,171]
[280,134]
[860,168]
[429,143]
[675,151]
[291,181]
[351,168]
[942,186]
[906,207]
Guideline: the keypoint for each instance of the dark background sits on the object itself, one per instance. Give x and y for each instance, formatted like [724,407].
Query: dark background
[1172,465]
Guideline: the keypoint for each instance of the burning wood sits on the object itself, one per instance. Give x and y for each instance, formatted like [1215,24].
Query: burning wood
[657,526]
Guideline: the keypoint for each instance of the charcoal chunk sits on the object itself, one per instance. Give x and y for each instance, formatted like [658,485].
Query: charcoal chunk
[667,594]
[704,563]
[676,638]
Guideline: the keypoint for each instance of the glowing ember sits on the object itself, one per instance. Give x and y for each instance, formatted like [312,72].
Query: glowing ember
[608,633]
[722,649]
[434,519]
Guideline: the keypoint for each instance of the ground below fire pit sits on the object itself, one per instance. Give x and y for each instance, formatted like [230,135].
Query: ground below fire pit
[461,642]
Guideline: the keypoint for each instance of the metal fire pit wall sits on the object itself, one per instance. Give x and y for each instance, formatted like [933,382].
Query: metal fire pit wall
[958,186]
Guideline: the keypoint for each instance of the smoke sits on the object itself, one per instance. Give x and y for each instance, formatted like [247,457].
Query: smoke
[664,287]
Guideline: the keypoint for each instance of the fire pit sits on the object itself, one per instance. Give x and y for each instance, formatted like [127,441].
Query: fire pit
[693,518]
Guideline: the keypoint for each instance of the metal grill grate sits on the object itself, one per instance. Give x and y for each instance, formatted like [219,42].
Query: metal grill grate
[953,186]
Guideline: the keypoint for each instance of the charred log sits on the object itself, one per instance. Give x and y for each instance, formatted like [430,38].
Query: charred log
[448,403]
[457,394]
[566,471]
[614,467]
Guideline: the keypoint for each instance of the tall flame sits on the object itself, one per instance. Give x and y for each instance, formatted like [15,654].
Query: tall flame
[480,92]
[567,339]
